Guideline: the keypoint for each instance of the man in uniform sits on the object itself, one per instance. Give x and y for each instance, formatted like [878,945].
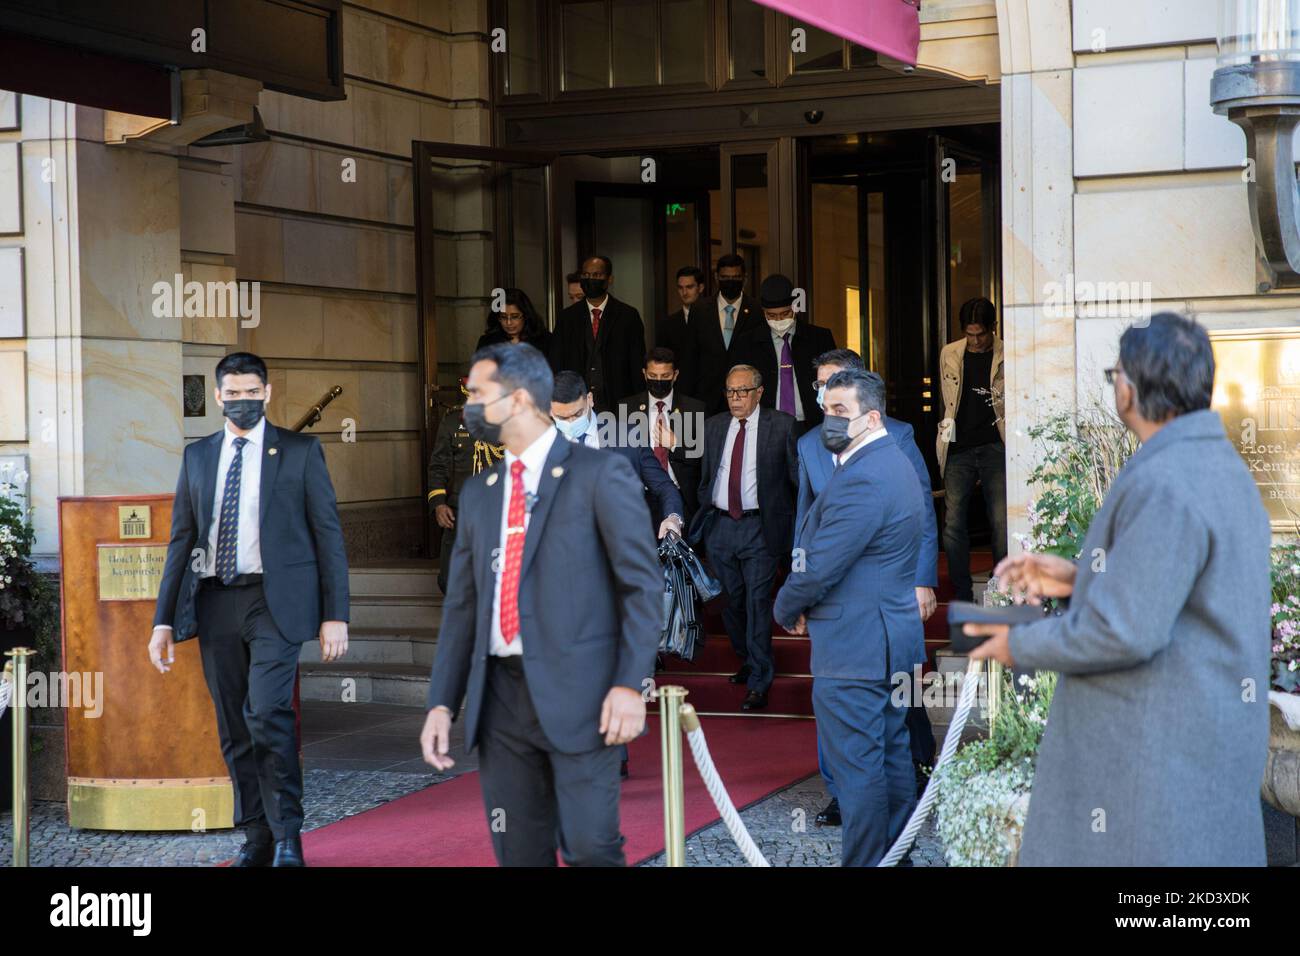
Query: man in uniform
[455,457]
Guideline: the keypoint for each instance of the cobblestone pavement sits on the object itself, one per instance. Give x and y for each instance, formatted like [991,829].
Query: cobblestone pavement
[329,795]
[782,826]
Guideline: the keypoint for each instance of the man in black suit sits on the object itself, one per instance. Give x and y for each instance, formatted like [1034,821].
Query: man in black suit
[674,424]
[746,519]
[600,338]
[719,332]
[255,567]
[675,332]
[784,349]
[550,630]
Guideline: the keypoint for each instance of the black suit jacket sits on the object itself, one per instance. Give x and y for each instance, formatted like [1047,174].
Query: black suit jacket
[712,356]
[778,479]
[685,458]
[590,594]
[808,342]
[677,333]
[612,362]
[304,566]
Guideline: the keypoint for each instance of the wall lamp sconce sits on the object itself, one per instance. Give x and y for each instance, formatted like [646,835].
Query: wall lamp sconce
[1257,86]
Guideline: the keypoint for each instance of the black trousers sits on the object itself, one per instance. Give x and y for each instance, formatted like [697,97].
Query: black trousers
[250,668]
[747,570]
[536,798]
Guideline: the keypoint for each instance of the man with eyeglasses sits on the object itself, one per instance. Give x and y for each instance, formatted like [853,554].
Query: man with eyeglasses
[600,338]
[746,519]
[783,348]
[1158,733]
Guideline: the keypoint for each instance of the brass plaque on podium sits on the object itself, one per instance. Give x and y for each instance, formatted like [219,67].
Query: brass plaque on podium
[1257,394]
[133,522]
[130,572]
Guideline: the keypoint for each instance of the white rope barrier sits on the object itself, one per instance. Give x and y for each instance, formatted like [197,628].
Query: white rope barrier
[736,827]
[950,742]
[722,800]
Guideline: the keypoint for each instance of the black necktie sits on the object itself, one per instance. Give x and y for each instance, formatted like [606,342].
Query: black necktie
[228,529]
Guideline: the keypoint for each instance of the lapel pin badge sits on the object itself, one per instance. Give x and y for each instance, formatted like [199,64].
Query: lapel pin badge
[492,479]
[557,471]
[270,451]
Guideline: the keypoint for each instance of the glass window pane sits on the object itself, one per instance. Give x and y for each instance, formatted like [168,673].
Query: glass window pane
[681,245]
[523,72]
[634,43]
[860,56]
[749,194]
[586,46]
[822,50]
[685,41]
[747,36]
[965,242]
[836,268]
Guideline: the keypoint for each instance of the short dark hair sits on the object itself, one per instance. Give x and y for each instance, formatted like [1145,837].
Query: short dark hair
[731,260]
[695,272]
[241,363]
[844,358]
[981,312]
[869,387]
[573,277]
[661,354]
[519,365]
[1171,365]
[609,263]
[569,387]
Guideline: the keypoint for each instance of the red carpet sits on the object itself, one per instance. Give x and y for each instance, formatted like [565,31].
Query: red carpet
[445,824]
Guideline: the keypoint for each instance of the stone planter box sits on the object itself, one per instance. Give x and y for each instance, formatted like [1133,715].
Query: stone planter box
[1281,786]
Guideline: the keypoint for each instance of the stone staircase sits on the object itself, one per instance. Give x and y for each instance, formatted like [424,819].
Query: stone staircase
[396,611]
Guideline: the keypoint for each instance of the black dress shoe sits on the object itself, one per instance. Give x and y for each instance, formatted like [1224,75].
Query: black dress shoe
[254,854]
[830,815]
[288,852]
[740,676]
[754,701]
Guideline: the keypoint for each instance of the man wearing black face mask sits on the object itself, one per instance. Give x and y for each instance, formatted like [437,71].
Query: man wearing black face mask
[600,338]
[851,589]
[255,568]
[675,423]
[717,331]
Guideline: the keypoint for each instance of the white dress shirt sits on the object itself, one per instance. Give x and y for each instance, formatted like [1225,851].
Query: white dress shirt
[749,480]
[604,304]
[778,343]
[534,459]
[248,556]
[874,436]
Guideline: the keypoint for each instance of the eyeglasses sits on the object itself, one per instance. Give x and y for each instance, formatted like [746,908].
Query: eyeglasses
[739,392]
[1111,373]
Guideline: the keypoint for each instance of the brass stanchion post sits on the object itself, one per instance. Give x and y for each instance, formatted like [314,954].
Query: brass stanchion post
[18,702]
[670,730]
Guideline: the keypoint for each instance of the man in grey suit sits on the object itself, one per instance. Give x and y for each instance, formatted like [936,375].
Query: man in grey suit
[852,590]
[550,625]
[1157,737]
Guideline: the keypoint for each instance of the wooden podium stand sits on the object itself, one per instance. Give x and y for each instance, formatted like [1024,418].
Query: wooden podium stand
[151,760]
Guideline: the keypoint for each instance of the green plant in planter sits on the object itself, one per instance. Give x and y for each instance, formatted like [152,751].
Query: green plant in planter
[984,789]
[1078,456]
[28,599]
[1285,676]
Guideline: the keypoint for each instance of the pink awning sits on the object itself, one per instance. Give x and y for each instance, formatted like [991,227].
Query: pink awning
[892,27]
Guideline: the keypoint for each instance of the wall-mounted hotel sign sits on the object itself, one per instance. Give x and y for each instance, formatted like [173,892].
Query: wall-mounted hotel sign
[130,572]
[1257,393]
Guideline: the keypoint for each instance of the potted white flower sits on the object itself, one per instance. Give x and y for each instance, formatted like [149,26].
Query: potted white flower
[1281,787]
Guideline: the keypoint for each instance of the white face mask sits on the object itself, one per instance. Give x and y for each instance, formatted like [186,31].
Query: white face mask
[781,326]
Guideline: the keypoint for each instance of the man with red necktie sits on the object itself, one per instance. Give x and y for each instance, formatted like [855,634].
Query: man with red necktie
[551,674]
[746,519]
